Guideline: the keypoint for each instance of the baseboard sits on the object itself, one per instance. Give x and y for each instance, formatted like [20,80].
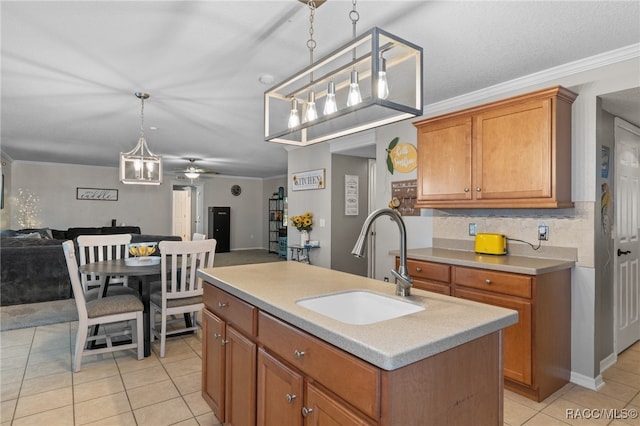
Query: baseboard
[608,361]
[593,383]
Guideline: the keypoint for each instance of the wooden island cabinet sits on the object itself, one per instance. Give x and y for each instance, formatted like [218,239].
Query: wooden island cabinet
[537,350]
[512,153]
[261,370]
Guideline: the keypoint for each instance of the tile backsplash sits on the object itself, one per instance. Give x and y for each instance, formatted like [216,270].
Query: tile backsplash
[570,230]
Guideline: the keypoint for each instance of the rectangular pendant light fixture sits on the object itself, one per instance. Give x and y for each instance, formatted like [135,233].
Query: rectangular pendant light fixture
[386,69]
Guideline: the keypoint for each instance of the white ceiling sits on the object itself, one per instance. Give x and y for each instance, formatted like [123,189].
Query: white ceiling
[70,68]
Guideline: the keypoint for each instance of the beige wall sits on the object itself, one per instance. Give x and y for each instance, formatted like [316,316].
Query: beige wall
[146,206]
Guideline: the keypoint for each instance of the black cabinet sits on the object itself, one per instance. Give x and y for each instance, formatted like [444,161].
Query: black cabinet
[220,227]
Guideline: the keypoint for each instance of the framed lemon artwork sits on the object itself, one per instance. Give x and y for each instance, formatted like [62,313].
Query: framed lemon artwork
[401,157]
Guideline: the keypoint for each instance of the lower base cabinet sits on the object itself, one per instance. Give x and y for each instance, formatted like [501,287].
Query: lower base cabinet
[537,349]
[286,398]
[259,370]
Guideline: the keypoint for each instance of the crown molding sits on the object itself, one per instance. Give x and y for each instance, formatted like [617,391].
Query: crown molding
[549,75]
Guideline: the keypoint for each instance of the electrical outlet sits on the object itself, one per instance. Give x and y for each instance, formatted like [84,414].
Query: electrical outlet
[472,229]
[543,232]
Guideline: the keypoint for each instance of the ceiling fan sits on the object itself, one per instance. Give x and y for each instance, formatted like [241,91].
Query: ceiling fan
[193,172]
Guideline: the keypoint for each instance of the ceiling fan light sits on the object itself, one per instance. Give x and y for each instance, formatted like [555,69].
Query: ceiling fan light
[192,175]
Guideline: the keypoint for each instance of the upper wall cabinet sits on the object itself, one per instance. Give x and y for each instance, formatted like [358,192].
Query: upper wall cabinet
[513,153]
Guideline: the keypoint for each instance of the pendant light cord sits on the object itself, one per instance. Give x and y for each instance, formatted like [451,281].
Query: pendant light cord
[354,16]
[311,43]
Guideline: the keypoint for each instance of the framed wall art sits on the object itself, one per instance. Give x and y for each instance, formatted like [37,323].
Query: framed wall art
[97,194]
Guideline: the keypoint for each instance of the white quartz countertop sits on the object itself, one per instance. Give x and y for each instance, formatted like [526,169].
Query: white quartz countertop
[508,263]
[445,323]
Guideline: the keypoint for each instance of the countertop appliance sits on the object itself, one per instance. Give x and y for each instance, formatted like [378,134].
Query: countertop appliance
[491,244]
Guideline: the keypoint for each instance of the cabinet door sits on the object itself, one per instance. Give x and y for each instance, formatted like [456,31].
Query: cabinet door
[517,338]
[513,152]
[213,357]
[240,397]
[444,160]
[280,393]
[321,409]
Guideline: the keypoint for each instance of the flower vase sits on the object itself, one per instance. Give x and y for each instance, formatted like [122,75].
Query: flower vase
[304,238]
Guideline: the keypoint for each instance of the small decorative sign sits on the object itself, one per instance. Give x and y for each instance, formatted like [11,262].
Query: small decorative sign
[351,195]
[312,179]
[402,157]
[99,194]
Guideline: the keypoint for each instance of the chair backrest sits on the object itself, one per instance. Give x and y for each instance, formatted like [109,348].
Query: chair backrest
[74,276]
[96,248]
[198,237]
[179,262]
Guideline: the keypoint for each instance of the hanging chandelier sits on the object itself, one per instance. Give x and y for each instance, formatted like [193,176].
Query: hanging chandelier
[140,166]
[374,80]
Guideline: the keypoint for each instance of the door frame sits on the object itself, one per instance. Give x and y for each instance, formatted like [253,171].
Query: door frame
[197,200]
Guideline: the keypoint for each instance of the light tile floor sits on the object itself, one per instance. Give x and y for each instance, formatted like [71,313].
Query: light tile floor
[37,387]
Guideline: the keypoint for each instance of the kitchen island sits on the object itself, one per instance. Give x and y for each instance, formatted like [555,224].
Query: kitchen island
[278,362]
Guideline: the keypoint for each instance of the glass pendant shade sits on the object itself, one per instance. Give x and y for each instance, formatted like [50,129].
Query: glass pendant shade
[294,116]
[357,64]
[330,105]
[192,175]
[311,112]
[140,166]
[383,84]
[354,97]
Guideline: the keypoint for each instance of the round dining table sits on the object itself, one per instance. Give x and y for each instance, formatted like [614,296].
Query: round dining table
[118,267]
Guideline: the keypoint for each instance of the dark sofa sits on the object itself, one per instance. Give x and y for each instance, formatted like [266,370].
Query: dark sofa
[33,269]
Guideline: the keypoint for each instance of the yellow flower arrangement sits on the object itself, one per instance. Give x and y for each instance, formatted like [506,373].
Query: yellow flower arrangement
[303,222]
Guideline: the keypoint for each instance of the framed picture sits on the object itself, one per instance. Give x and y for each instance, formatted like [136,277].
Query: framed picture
[97,194]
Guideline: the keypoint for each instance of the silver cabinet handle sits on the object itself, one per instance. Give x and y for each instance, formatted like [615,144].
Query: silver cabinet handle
[418,269]
[224,342]
[217,335]
[478,189]
[488,281]
[466,190]
[290,397]
[222,304]
[306,411]
[298,354]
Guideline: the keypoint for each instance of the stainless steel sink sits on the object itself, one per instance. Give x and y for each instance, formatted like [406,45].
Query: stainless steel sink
[359,307]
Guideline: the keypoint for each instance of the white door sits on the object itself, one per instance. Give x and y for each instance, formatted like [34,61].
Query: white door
[627,243]
[181,214]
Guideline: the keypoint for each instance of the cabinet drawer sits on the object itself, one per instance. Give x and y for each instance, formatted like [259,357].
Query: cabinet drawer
[434,287]
[354,380]
[498,282]
[428,270]
[243,316]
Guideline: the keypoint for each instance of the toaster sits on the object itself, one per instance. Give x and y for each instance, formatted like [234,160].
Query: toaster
[491,244]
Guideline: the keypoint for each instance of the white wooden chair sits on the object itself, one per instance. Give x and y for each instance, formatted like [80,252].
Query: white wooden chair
[96,248]
[180,291]
[102,311]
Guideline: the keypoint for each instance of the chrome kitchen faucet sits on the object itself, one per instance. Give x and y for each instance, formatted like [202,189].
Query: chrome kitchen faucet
[404,281]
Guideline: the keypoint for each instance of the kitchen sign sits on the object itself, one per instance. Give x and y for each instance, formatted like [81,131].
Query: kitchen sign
[401,157]
[312,179]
